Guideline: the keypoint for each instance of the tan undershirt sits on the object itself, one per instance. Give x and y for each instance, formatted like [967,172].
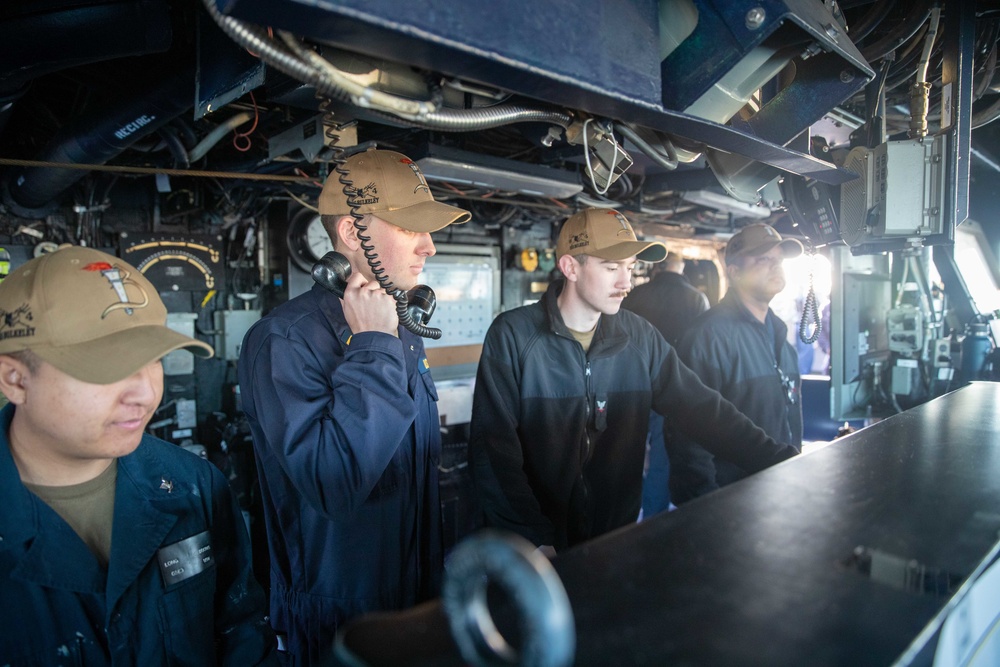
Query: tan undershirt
[584,338]
[88,508]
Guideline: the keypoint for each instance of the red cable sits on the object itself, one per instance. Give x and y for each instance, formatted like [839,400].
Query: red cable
[237,136]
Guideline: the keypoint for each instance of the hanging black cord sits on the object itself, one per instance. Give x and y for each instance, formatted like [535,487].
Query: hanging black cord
[810,309]
[402,307]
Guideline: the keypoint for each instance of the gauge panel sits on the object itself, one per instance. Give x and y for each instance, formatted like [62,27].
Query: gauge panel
[176,262]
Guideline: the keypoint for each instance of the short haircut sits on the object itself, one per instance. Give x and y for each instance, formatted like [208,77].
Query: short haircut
[28,358]
[330,224]
[580,259]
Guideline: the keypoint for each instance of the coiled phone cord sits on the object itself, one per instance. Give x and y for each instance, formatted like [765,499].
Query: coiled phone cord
[810,309]
[402,307]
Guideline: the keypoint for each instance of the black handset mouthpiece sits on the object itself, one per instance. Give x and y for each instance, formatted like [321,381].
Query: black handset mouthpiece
[421,303]
[332,271]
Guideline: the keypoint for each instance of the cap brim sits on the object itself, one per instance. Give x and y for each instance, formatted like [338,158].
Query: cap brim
[646,251]
[789,248]
[427,216]
[119,355]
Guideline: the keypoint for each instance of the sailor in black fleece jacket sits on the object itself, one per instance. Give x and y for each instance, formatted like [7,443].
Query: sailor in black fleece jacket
[563,395]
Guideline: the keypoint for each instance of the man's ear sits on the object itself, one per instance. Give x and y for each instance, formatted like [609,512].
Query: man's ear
[13,375]
[732,271]
[347,233]
[569,267]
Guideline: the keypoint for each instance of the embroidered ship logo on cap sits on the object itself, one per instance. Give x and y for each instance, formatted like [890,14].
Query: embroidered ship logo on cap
[119,278]
[416,170]
[14,324]
[623,222]
[367,194]
[579,240]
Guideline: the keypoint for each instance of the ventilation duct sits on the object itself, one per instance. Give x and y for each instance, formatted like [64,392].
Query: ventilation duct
[95,138]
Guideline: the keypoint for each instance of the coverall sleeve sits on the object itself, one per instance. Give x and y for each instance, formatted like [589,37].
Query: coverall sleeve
[495,447]
[333,428]
[243,634]
[701,413]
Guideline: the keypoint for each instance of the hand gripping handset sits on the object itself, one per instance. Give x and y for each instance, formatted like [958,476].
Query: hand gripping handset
[414,307]
[332,271]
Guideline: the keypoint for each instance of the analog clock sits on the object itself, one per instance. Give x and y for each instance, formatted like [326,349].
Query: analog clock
[307,239]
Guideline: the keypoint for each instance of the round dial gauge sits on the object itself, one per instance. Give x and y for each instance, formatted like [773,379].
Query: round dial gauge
[174,262]
[307,239]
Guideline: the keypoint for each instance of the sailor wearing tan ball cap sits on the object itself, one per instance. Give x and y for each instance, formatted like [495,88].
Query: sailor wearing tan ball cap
[92,507]
[564,390]
[739,347]
[344,418]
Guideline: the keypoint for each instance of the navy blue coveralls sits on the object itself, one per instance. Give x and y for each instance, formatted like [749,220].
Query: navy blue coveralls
[346,434]
[58,606]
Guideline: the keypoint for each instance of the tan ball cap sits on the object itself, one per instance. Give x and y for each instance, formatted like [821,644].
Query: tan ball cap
[757,239]
[91,315]
[390,186]
[607,234]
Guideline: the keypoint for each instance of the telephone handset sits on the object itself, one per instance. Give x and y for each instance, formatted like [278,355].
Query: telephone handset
[414,307]
[332,271]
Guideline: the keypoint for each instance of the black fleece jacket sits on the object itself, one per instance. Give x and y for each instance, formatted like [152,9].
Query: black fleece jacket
[738,356]
[558,436]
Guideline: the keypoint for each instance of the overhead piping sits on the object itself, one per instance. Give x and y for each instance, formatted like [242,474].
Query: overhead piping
[99,136]
[298,62]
